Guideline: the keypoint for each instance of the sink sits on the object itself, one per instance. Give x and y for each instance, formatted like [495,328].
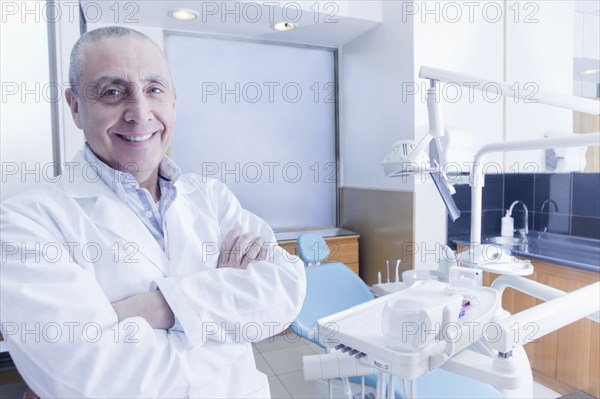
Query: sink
[553,247]
[506,241]
[579,252]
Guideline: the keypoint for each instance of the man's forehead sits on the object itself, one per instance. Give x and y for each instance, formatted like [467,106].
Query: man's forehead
[129,59]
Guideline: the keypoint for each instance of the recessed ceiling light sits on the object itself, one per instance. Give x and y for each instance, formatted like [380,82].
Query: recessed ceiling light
[588,72]
[284,26]
[183,14]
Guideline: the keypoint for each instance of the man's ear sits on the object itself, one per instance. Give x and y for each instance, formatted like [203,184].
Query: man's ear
[174,101]
[74,105]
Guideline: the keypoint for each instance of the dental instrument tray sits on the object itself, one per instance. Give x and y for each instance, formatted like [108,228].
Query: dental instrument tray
[413,331]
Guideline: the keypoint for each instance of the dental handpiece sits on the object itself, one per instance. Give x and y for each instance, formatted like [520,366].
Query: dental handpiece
[387,263]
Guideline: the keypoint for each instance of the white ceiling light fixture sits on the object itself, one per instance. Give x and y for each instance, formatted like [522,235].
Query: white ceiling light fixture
[183,14]
[284,26]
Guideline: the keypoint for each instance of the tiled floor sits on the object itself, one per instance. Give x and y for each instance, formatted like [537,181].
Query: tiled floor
[280,358]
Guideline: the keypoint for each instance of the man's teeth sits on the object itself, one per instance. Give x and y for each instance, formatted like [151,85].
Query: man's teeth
[137,138]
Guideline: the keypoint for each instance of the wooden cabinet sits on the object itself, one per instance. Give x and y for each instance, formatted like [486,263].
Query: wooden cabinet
[568,358]
[343,249]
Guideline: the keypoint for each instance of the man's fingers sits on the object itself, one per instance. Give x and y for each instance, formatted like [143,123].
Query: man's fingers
[241,247]
[255,249]
[263,254]
[239,250]
[230,239]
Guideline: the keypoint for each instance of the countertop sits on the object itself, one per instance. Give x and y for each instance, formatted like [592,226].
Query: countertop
[331,232]
[577,252]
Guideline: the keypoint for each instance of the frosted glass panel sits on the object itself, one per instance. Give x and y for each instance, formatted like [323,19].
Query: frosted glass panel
[26,121]
[260,118]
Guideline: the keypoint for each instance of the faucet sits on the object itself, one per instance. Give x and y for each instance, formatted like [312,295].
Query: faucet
[525,230]
[546,202]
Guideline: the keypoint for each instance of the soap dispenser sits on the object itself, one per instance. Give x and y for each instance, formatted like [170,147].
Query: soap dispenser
[508,225]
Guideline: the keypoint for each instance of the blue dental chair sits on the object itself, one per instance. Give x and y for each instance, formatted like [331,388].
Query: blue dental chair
[333,287]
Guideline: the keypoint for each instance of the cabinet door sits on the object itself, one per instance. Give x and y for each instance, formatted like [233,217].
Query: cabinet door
[575,347]
[577,355]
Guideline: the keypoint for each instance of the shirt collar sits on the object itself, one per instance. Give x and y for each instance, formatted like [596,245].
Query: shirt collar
[167,169]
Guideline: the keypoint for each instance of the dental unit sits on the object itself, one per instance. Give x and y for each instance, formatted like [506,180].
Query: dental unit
[446,318]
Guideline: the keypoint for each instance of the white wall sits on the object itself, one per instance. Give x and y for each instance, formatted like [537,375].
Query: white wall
[587,34]
[468,39]
[373,113]
[539,54]
[586,45]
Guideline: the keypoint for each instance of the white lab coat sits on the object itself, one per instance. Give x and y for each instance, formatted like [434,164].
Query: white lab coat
[72,248]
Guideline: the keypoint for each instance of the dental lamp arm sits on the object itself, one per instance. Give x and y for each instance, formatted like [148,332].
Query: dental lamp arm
[436,126]
[580,104]
[533,288]
[533,323]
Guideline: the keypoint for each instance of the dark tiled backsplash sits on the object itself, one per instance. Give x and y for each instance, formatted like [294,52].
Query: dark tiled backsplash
[562,203]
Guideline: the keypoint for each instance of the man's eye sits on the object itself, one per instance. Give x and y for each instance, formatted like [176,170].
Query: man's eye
[155,90]
[111,93]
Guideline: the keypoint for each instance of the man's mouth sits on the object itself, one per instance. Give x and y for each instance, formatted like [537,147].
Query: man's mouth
[135,139]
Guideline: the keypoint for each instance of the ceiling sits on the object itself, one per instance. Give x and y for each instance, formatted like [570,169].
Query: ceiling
[328,24]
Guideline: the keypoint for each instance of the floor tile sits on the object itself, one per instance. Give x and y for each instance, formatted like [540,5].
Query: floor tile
[262,365]
[278,391]
[286,360]
[298,388]
[314,347]
[577,395]
[283,341]
[542,392]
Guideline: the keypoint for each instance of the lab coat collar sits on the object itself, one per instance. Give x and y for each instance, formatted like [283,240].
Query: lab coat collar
[110,212]
[184,187]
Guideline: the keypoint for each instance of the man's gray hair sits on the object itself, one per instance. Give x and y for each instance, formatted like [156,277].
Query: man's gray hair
[77,54]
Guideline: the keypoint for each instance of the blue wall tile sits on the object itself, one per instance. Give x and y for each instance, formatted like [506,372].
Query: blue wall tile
[493,192]
[462,197]
[552,223]
[586,194]
[576,195]
[553,194]
[490,224]
[519,186]
[585,227]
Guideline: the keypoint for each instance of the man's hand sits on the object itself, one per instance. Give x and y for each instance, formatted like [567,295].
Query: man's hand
[152,306]
[240,250]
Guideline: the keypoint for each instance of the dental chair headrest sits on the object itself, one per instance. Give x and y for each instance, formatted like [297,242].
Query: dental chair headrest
[312,248]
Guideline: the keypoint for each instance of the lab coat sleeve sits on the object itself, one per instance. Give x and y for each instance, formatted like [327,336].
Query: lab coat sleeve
[62,331]
[234,305]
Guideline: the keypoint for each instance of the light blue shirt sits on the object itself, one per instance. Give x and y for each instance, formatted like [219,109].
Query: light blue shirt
[139,199]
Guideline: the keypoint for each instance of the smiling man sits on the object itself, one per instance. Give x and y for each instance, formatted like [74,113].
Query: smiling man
[125,278]
[128,106]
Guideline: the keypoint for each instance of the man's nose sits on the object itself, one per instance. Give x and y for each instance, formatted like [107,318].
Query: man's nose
[137,108]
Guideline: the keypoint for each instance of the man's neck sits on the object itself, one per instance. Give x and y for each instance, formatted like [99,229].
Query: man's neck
[150,183]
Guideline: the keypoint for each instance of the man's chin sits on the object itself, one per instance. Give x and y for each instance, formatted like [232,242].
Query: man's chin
[139,167]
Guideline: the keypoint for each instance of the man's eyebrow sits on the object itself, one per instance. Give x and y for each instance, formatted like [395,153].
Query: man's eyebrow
[105,80]
[156,79]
